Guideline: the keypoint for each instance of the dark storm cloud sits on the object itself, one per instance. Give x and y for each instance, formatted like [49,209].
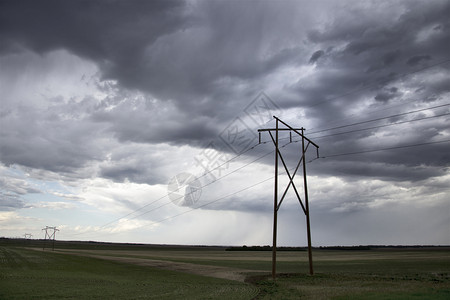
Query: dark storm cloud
[103,30]
[383,57]
[171,49]
[140,122]
[417,59]
[162,79]
[370,49]
[203,61]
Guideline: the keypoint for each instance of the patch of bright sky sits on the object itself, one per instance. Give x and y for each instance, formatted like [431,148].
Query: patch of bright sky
[289,75]
[42,75]
[429,32]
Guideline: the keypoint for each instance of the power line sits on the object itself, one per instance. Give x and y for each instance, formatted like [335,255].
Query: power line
[328,156]
[381,126]
[203,205]
[207,184]
[159,199]
[268,153]
[271,178]
[214,201]
[373,120]
[166,195]
[384,149]
[172,192]
[334,128]
[385,108]
[379,119]
[242,153]
[167,203]
[220,198]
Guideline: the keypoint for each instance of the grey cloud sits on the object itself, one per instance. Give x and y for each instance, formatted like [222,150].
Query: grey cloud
[126,172]
[11,191]
[372,58]
[96,30]
[250,204]
[339,228]
[139,120]
[47,142]
[17,186]
[136,167]
[387,94]
[9,202]
[158,45]
[316,55]
[391,57]
[417,59]
[362,167]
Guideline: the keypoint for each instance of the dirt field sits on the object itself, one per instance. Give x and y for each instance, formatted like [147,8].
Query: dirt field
[174,272]
[27,273]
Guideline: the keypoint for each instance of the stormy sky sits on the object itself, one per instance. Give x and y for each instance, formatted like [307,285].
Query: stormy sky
[137,121]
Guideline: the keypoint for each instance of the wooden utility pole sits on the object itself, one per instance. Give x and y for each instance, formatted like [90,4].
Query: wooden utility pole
[277,203]
[305,187]
[275,206]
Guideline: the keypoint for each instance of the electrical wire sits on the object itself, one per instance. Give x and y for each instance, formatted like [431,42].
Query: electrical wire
[265,180]
[294,141]
[203,175]
[165,204]
[207,184]
[379,119]
[270,178]
[385,149]
[172,192]
[374,120]
[333,155]
[214,201]
[381,126]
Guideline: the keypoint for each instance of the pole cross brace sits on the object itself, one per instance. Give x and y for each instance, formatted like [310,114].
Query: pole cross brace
[291,178]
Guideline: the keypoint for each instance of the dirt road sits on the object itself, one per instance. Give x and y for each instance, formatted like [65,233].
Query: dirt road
[205,270]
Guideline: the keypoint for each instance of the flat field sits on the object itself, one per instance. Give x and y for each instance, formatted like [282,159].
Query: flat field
[75,271]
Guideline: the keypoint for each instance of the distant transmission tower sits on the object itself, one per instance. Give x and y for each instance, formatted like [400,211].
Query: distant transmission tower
[50,234]
[277,204]
[27,236]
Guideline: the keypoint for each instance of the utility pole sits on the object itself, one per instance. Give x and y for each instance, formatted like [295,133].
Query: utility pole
[50,234]
[277,203]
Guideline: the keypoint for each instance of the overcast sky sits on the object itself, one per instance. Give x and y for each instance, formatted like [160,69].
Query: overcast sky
[108,106]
